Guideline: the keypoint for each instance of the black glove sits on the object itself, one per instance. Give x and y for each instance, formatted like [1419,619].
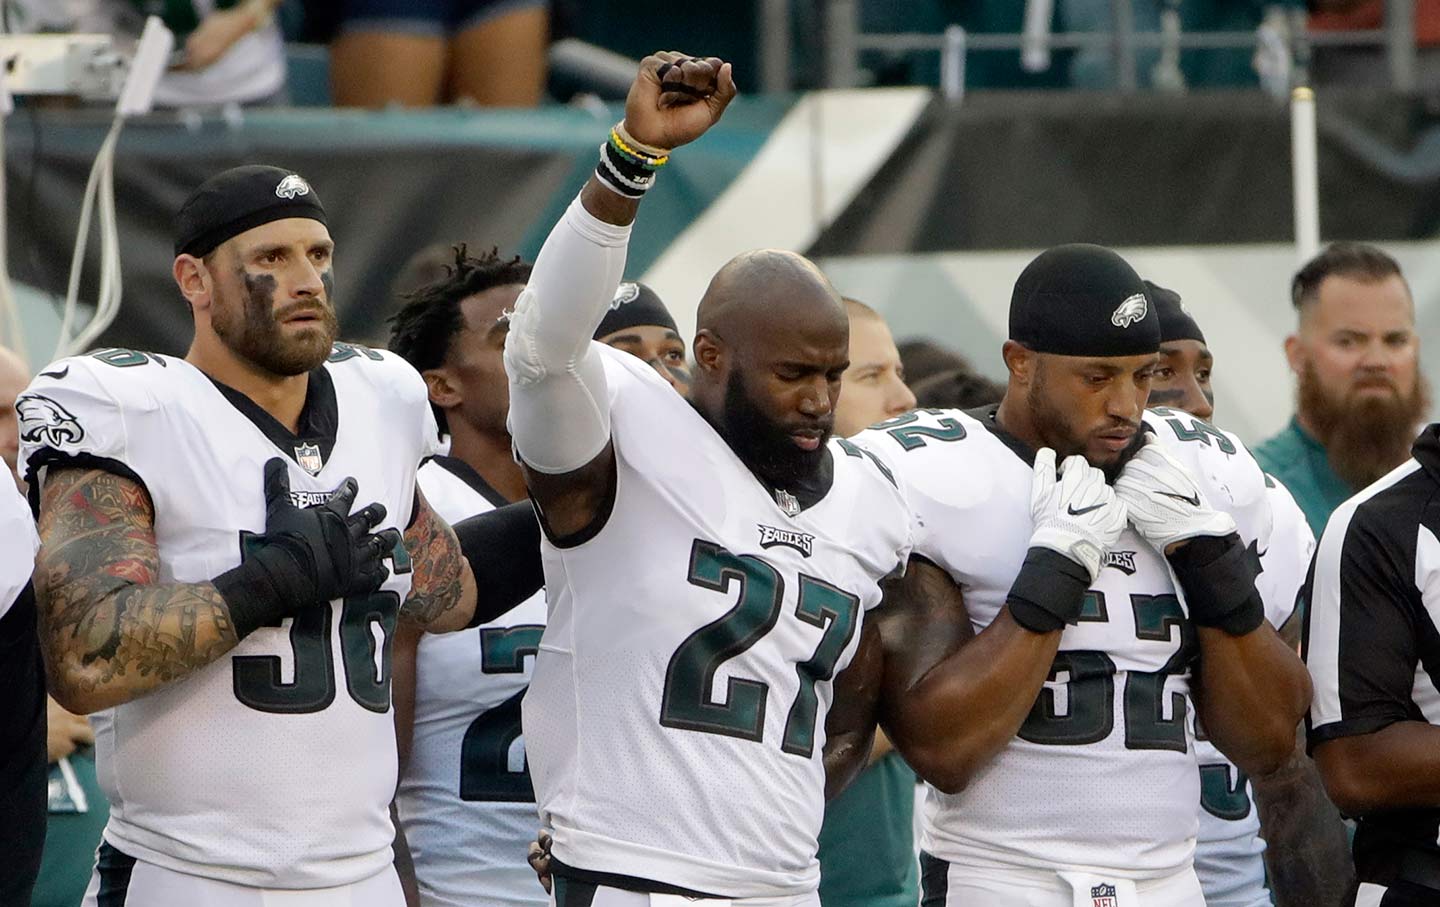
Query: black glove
[306,556]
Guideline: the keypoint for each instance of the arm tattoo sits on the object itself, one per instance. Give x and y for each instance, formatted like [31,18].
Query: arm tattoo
[435,586]
[110,631]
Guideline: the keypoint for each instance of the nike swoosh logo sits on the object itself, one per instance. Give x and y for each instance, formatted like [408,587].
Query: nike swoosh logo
[1083,510]
[60,374]
[1193,500]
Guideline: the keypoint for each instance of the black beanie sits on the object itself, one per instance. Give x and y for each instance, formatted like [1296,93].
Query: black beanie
[1175,322]
[239,199]
[634,304]
[1083,300]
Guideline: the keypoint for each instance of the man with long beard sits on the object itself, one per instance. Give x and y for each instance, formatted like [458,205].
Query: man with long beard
[1360,394]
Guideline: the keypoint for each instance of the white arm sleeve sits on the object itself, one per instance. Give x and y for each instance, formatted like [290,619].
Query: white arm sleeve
[559,404]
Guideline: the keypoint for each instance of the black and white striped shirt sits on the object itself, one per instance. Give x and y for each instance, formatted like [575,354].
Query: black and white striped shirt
[1371,640]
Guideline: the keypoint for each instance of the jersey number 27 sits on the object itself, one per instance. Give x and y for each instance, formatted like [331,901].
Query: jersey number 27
[687,702]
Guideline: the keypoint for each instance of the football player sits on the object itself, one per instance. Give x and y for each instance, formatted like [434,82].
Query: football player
[234,632]
[1082,787]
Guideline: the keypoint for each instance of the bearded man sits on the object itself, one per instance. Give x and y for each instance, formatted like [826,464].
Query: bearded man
[1360,395]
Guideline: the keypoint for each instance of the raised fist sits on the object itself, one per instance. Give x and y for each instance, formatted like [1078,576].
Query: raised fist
[675,98]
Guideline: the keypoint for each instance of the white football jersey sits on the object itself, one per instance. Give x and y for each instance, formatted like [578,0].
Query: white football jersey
[1102,773]
[465,799]
[676,717]
[273,766]
[1229,851]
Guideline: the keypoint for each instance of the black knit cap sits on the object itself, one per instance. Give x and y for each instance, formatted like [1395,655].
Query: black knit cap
[1175,322]
[240,199]
[1083,300]
[635,304]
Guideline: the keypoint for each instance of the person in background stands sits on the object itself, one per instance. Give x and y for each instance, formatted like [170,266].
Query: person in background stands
[1360,395]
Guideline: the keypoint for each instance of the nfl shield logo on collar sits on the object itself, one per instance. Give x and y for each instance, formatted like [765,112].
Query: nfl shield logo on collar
[308,456]
[787,502]
[1103,895]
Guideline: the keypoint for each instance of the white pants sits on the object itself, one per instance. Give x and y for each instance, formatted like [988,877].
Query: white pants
[121,881]
[617,897]
[969,886]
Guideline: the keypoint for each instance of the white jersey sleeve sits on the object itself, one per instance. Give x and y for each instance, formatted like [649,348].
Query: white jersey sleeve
[75,414]
[1286,560]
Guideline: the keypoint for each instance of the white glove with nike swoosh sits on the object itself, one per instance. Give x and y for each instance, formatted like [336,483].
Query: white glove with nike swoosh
[1078,514]
[1165,502]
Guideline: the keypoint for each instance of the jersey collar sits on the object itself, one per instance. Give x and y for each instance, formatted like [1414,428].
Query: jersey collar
[311,445]
[467,474]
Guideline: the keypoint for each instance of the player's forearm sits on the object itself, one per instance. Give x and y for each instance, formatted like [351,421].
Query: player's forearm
[1306,849]
[607,205]
[559,403]
[103,649]
[1396,767]
[1253,691]
[967,708]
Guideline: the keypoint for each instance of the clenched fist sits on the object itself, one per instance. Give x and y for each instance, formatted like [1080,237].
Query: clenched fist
[675,98]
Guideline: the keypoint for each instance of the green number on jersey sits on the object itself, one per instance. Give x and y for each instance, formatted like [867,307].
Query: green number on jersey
[911,437]
[490,740]
[1220,797]
[1146,727]
[833,610]
[257,678]
[341,352]
[1203,432]
[125,358]
[686,703]
[1084,712]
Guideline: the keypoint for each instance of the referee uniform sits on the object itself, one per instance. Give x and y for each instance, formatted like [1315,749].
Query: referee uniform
[1373,650]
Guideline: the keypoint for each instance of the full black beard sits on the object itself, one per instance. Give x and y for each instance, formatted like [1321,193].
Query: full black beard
[1363,439]
[252,330]
[762,445]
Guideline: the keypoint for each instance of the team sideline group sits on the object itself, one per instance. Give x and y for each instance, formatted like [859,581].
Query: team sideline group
[691,614]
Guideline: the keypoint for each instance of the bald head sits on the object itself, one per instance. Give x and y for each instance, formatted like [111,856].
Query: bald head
[755,290]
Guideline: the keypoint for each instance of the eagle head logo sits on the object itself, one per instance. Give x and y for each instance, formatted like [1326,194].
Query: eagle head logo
[291,186]
[43,421]
[627,292]
[1133,309]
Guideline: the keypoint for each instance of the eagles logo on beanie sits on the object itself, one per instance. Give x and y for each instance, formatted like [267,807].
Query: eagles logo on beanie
[1083,300]
[240,199]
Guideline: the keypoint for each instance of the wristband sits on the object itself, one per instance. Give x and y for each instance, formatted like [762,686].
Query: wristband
[264,588]
[626,166]
[1218,574]
[1049,591]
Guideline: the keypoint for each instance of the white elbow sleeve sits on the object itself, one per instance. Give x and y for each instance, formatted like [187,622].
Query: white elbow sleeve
[559,408]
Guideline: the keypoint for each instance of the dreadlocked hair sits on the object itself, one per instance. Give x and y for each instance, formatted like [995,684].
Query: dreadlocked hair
[422,331]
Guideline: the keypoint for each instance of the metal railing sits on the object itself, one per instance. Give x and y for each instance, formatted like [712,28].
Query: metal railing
[843,41]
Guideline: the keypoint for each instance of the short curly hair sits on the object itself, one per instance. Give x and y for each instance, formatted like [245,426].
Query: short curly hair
[421,332]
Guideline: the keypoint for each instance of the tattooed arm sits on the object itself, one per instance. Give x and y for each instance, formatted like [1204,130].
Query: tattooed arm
[110,633]
[442,587]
